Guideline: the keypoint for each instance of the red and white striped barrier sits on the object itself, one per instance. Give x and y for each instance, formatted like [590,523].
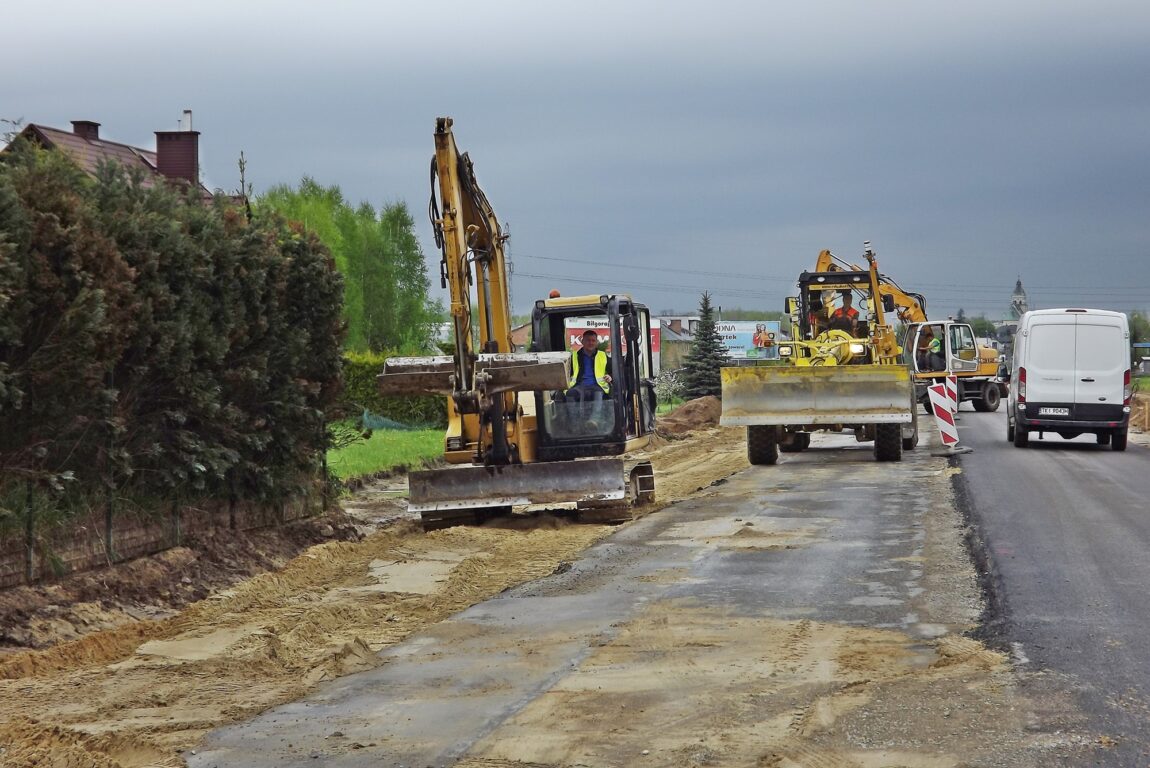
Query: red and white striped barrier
[944,404]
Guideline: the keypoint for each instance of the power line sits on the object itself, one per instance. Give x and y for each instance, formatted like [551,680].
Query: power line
[941,287]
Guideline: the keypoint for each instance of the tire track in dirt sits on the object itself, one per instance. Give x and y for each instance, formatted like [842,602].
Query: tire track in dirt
[140,694]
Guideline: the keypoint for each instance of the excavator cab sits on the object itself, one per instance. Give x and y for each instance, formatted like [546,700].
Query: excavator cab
[604,425]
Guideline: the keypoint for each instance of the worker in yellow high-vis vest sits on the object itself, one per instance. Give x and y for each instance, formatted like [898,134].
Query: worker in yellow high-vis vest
[589,378]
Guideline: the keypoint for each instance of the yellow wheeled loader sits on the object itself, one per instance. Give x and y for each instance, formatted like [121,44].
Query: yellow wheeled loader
[840,370]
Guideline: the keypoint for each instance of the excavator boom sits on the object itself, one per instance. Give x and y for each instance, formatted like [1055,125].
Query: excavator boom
[502,412]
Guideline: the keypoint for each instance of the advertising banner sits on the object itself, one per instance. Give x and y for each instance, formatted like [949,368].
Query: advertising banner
[576,327]
[751,339]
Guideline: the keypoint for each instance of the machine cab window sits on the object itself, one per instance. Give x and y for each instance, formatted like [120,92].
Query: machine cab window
[606,400]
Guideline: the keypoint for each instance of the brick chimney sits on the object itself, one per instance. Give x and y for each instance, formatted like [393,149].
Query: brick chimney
[676,325]
[178,155]
[86,129]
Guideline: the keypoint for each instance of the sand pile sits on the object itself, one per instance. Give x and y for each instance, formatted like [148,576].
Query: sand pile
[694,414]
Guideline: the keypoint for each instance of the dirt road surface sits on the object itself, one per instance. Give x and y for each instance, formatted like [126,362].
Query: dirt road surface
[780,690]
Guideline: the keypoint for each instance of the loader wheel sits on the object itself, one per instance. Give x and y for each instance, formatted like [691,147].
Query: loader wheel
[887,442]
[762,445]
[991,397]
[910,443]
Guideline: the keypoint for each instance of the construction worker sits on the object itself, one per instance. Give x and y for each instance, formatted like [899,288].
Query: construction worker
[930,351]
[846,317]
[589,378]
[815,317]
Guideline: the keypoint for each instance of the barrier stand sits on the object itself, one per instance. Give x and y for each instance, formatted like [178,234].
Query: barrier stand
[952,394]
[941,405]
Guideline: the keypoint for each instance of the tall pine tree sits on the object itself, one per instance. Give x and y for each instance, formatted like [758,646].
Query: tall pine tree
[701,366]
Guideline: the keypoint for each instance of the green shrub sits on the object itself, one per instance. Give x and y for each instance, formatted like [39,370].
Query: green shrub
[360,372]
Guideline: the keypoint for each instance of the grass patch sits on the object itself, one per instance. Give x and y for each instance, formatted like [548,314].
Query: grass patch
[664,408]
[386,449]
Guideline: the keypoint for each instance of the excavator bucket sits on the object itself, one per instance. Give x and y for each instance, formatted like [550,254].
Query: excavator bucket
[417,376]
[816,395]
[499,372]
[525,371]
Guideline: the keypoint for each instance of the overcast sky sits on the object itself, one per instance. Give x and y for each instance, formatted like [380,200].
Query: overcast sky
[664,148]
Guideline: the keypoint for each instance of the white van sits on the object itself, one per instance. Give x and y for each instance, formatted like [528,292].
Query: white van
[1071,375]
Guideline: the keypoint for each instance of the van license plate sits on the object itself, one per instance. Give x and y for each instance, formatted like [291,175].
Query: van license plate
[1053,411]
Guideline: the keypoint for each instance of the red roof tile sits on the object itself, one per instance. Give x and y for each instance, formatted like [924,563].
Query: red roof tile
[87,153]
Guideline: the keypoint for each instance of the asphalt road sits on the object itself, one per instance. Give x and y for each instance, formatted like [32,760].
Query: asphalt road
[1065,525]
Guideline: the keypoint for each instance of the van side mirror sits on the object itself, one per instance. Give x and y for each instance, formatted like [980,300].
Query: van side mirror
[1004,373]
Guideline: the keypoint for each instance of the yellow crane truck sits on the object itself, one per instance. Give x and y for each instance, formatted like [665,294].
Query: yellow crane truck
[840,370]
[512,437]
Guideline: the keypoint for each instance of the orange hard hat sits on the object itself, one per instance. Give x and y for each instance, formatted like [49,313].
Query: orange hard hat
[554,293]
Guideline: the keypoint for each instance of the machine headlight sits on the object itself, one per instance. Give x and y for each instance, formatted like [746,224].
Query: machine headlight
[857,349]
[785,351]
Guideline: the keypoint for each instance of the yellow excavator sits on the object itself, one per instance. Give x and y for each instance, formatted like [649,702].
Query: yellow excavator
[976,368]
[513,438]
[840,370]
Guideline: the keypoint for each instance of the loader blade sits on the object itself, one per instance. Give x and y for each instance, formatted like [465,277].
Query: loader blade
[450,488]
[816,395]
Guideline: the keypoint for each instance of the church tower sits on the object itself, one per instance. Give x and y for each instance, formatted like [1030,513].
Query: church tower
[1018,303]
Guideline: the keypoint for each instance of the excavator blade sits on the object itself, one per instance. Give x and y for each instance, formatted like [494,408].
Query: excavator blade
[816,395]
[451,488]
[498,372]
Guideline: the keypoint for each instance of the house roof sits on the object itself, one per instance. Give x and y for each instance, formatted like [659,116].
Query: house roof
[88,152]
[668,335]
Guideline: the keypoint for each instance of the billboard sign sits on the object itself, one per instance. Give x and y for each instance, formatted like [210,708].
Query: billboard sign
[751,339]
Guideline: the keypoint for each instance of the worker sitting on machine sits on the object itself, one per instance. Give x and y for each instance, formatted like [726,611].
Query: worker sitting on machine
[929,353]
[590,383]
[846,317]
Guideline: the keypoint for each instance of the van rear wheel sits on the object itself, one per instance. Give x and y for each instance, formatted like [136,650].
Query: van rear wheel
[1021,437]
[1118,441]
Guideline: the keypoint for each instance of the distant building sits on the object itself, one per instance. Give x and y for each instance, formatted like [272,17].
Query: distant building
[684,325]
[1004,330]
[1019,306]
[175,159]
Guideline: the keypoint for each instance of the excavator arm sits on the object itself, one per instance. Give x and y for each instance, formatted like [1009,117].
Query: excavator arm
[910,307]
[484,423]
[472,243]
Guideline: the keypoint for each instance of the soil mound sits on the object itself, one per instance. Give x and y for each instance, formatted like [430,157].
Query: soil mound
[694,414]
